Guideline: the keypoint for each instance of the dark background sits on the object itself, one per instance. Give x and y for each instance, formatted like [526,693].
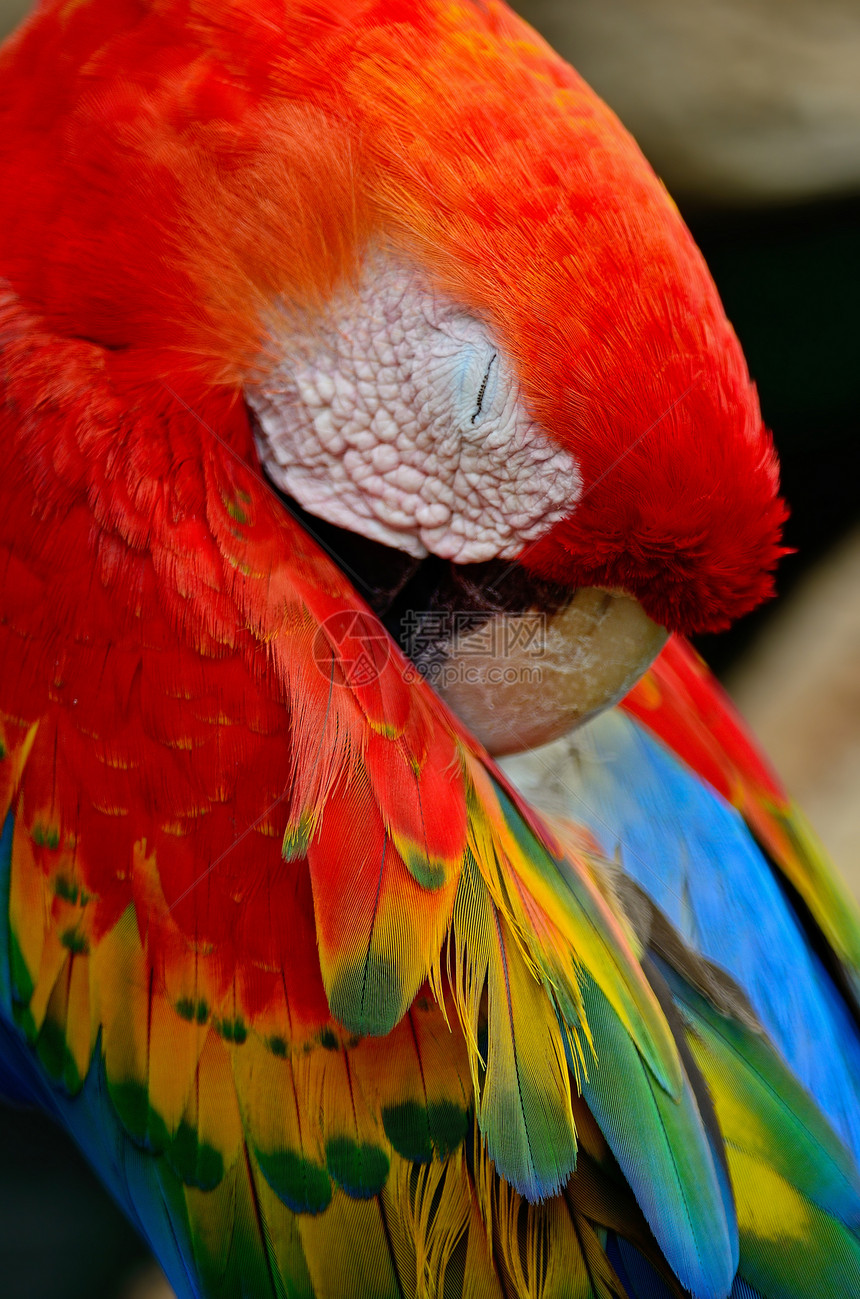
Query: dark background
[789,277]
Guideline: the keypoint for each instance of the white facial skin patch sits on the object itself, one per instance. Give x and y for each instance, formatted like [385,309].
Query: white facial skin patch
[395,414]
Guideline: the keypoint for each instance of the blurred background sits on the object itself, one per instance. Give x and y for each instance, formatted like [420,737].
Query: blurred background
[750,112]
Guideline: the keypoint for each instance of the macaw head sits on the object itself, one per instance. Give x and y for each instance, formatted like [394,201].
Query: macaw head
[480,352]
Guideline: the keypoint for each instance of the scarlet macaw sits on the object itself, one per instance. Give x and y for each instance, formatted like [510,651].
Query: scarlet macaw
[330,1008]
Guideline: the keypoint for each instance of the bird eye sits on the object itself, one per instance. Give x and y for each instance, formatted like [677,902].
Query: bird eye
[478,367]
[482,391]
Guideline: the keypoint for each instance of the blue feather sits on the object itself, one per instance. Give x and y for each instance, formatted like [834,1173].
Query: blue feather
[634,1272]
[694,856]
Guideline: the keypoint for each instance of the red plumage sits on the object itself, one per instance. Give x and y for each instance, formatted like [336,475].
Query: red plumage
[164,168]
[285,909]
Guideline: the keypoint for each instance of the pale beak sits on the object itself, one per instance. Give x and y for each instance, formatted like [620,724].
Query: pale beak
[520,680]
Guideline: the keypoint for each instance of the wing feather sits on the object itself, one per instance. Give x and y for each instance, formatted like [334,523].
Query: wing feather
[291,1015]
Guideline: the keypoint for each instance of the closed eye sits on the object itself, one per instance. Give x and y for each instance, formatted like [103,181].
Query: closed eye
[483,388]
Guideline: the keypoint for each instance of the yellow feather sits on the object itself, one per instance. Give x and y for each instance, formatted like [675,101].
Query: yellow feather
[347,1250]
[14,761]
[175,1045]
[213,1214]
[523,1101]
[213,1110]
[79,1025]
[280,1101]
[53,960]
[433,1203]
[29,901]
[481,1279]
[286,1241]
[562,922]
[421,1060]
[346,1110]
[119,988]
[768,1207]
